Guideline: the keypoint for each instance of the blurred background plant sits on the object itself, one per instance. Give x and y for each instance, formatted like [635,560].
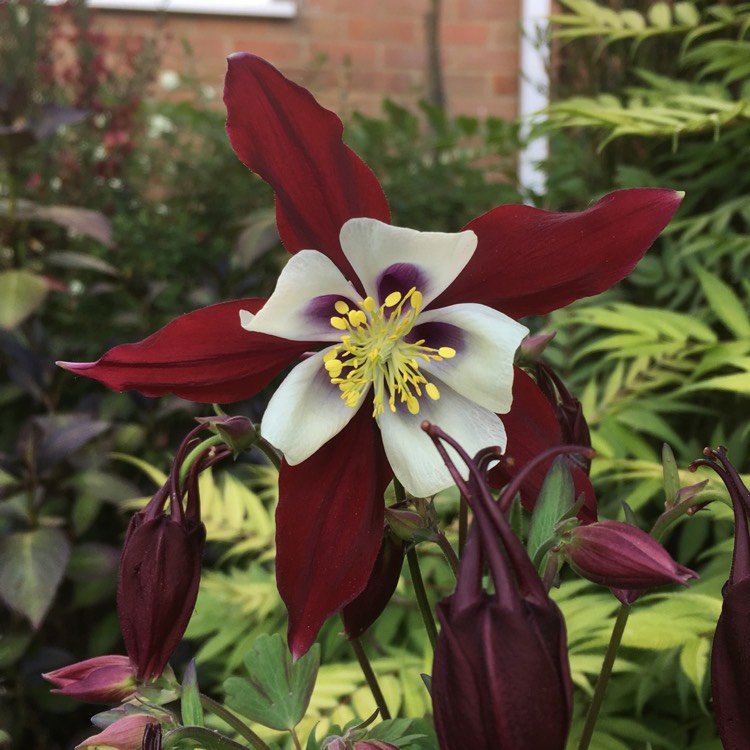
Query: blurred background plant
[122,206]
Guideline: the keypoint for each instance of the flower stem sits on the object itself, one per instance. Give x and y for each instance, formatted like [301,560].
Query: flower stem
[601,684]
[463,524]
[237,724]
[208,738]
[295,739]
[371,678]
[419,590]
[196,453]
[447,549]
[269,451]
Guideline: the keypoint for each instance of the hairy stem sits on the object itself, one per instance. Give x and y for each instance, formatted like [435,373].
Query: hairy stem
[601,684]
[371,678]
[419,590]
[237,724]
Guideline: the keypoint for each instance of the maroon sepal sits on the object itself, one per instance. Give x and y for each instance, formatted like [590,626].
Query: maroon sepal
[530,262]
[532,427]
[203,356]
[329,524]
[280,132]
[362,611]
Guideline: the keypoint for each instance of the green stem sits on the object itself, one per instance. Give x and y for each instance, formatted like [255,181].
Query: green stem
[370,678]
[419,590]
[601,684]
[233,721]
[295,739]
[447,549]
[196,453]
[398,491]
[269,451]
[209,738]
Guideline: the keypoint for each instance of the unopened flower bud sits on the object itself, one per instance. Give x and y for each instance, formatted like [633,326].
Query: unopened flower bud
[407,524]
[730,655]
[158,583]
[532,347]
[362,612]
[103,679]
[500,676]
[124,734]
[622,556]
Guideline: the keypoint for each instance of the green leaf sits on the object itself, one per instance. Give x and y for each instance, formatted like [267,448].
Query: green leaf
[190,703]
[278,691]
[554,501]
[21,293]
[32,564]
[694,660]
[725,303]
[671,474]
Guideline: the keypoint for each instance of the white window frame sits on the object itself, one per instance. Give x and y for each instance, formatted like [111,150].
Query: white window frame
[258,8]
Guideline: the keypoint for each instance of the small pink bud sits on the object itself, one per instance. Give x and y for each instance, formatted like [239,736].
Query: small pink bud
[622,556]
[124,734]
[103,679]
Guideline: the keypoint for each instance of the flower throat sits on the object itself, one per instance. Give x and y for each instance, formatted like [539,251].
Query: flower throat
[373,351]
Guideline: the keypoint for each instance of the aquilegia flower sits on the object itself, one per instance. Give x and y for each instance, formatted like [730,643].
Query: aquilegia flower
[356,286]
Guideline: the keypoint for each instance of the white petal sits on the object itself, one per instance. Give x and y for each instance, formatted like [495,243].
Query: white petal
[306,411]
[372,247]
[412,454]
[246,319]
[482,369]
[291,312]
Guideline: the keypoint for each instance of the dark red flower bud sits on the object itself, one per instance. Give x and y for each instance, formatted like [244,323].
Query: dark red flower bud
[103,679]
[362,612]
[160,569]
[730,655]
[623,556]
[575,429]
[501,679]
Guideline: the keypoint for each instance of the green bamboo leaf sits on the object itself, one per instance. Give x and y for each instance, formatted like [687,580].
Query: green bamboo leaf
[32,564]
[660,15]
[694,660]
[725,303]
[278,691]
[687,14]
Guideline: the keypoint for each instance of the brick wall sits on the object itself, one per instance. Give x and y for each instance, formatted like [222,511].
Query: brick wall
[372,48]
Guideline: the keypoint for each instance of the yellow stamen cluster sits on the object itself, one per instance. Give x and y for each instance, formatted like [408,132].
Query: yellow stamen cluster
[373,352]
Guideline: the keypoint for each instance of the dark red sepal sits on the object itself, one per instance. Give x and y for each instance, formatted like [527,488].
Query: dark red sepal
[532,428]
[280,132]
[203,356]
[529,261]
[329,524]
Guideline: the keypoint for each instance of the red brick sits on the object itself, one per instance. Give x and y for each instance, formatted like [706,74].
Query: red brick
[405,56]
[384,30]
[363,54]
[464,33]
